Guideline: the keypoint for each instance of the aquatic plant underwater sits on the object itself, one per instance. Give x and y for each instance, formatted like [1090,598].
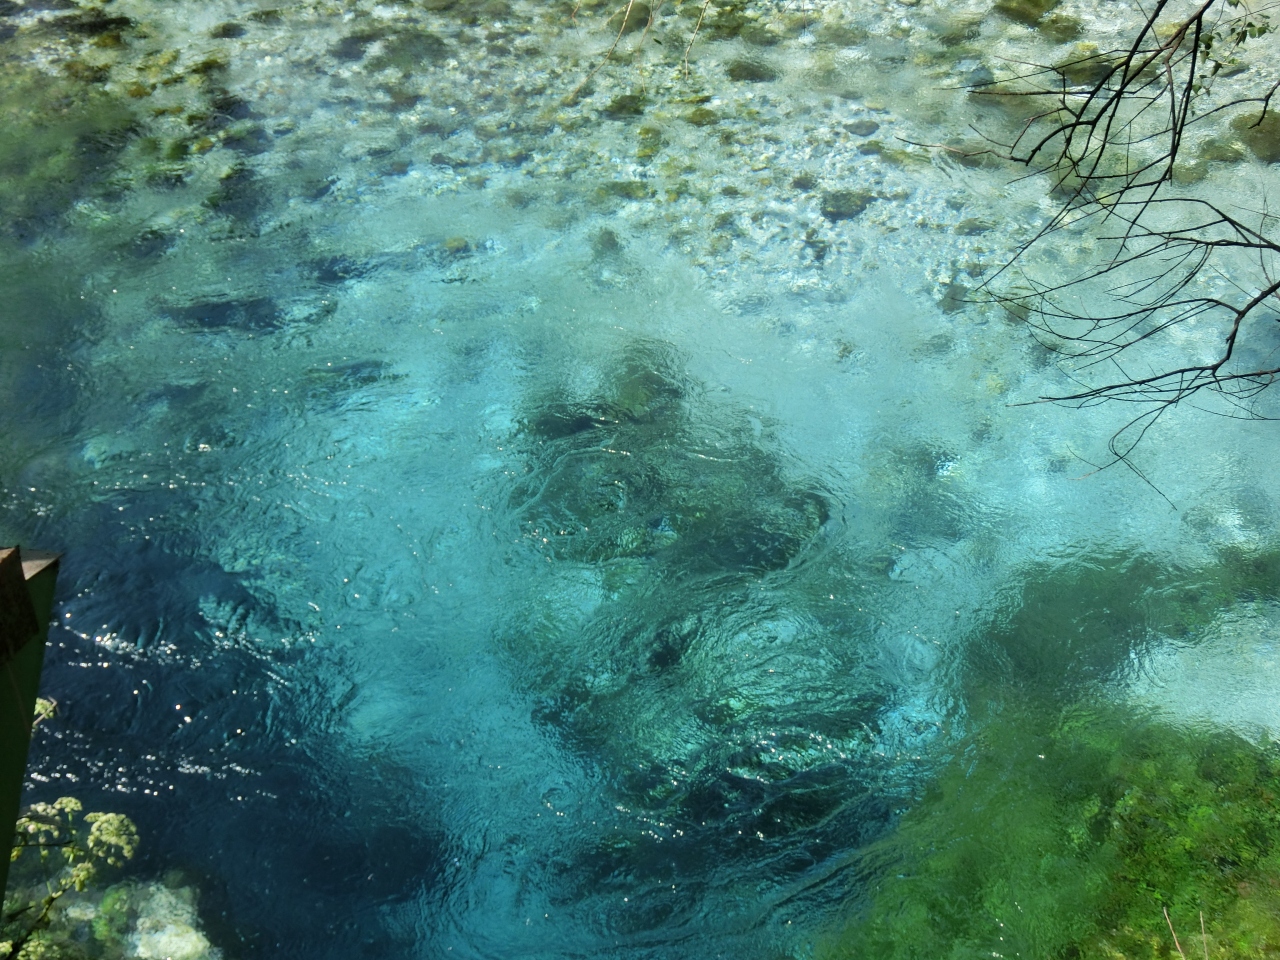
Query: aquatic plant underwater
[508,515]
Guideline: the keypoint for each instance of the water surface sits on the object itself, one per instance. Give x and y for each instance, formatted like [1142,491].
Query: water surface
[507,517]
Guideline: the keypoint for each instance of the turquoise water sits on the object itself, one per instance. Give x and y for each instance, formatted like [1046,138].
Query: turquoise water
[505,523]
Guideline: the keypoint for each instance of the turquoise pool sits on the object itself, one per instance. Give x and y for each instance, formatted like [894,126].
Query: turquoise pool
[518,503]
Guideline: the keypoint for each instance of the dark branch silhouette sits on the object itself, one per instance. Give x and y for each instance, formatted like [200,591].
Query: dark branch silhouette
[1178,302]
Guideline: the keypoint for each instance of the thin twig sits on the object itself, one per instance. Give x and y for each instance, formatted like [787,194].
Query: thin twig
[1175,936]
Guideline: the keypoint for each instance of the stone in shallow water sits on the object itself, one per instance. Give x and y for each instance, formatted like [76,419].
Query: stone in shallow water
[335,270]
[353,47]
[638,16]
[1216,149]
[845,204]
[759,35]
[1025,11]
[606,243]
[254,313]
[1061,28]
[840,34]
[408,51]
[972,226]
[1262,137]
[1086,65]
[624,105]
[239,195]
[624,189]
[94,23]
[150,243]
[702,117]
[751,71]
[955,296]
[862,128]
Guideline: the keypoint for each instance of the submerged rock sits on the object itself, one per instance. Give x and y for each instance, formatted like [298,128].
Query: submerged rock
[407,51]
[1260,135]
[751,71]
[845,204]
[253,313]
[1060,27]
[638,16]
[1025,11]
[730,512]
[862,128]
[653,645]
[757,34]
[1216,149]
[625,105]
[702,117]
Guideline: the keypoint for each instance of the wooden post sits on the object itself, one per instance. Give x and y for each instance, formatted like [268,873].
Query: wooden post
[26,603]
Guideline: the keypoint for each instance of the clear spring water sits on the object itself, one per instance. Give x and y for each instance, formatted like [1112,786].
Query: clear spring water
[503,526]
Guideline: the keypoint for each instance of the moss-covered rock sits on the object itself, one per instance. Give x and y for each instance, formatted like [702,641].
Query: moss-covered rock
[625,105]
[751,71]
[650,142]
[1025,11]
[61,140]
[1085,64]
[1260,134]
[845,204]
[839,34]
[1220,150]
[623,190]
[631,18]
[1060,27]
[410,50]
[702,117]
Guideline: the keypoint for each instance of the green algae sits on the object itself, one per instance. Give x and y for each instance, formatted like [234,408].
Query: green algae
[1069,835]
[58,134]
[1072,623]
[1065,823]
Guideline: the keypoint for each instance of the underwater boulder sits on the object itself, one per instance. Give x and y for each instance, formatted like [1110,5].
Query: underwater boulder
[1260,134]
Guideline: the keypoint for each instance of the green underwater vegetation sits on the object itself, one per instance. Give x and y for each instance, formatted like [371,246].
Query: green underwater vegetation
[1067,624]
[57,853]
[1067,822]
[1070,835]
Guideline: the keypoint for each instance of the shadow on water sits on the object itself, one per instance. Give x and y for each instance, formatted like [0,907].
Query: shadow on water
[222,752]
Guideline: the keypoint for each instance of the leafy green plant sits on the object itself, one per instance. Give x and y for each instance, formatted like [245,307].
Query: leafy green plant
[56,849]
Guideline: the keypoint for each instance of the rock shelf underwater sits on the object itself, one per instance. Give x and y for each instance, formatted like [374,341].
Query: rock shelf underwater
[523,501]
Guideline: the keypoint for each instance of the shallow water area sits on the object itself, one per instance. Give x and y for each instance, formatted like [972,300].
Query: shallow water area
[515,508]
